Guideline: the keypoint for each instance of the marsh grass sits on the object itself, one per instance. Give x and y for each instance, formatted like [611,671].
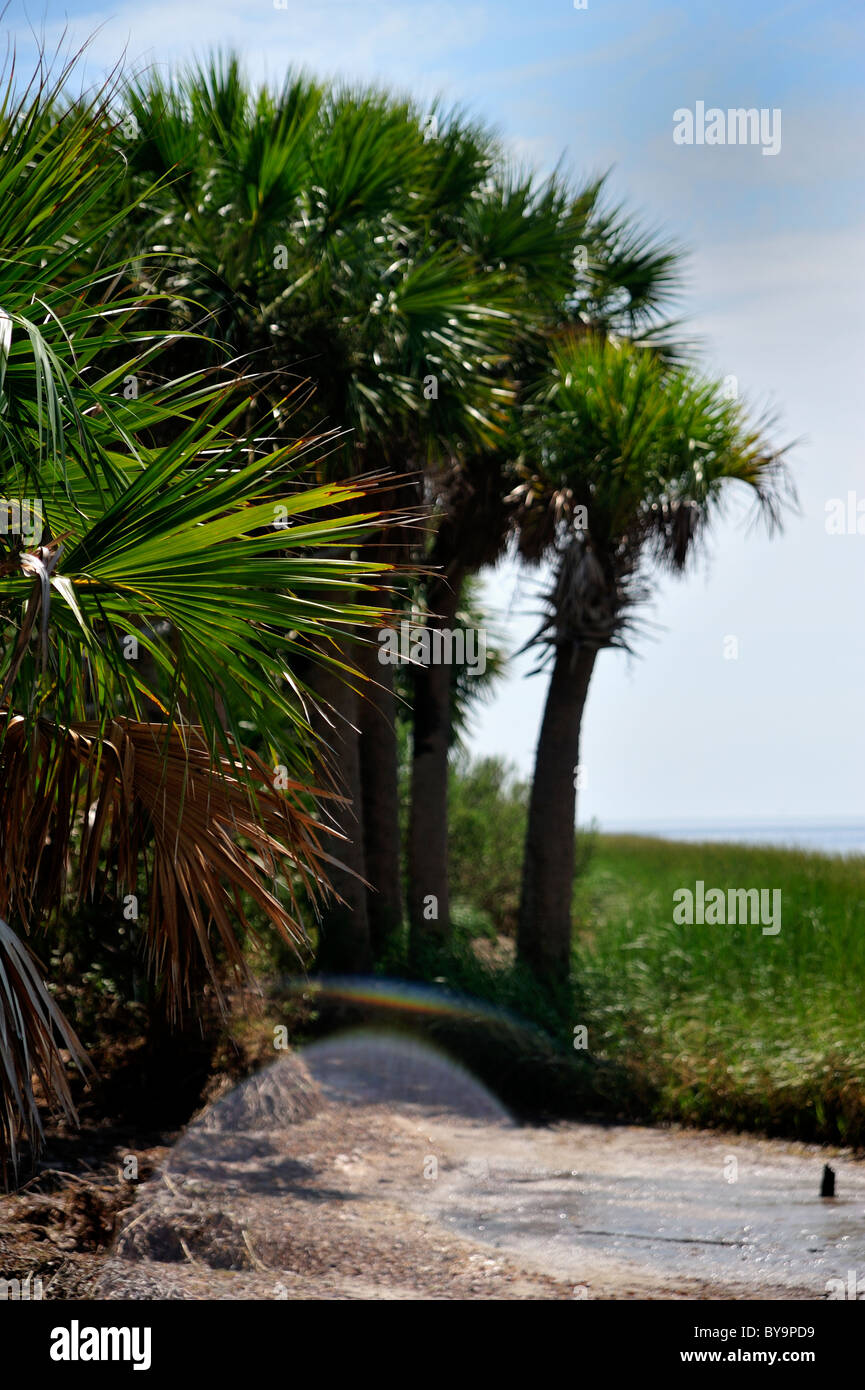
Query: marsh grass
[717,1026]
[721,1024]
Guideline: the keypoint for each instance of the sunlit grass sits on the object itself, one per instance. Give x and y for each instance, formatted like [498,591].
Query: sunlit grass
[722,1023]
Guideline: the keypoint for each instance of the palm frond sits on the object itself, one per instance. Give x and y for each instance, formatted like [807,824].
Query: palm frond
[627,460]
[143,800]
[33,1036]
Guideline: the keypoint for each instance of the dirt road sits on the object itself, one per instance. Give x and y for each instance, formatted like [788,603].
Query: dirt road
[375,1169]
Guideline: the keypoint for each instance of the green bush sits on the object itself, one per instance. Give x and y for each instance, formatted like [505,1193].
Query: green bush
[486,829]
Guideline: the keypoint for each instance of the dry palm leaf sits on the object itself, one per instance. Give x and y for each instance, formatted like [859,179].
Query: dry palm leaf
[207,828]
[32,1032]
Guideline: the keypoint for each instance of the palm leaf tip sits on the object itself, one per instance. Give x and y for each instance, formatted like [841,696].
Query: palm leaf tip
[33,1037]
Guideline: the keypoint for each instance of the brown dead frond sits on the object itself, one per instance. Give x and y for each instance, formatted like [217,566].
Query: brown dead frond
[32,1033]
[205,828]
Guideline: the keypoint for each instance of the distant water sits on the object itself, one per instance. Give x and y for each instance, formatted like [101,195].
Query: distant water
[831,837]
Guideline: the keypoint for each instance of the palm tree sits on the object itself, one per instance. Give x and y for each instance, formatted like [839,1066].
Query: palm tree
[150,524]
[527,230]
[580,266]
[626,462]
[313,227]
[264,201]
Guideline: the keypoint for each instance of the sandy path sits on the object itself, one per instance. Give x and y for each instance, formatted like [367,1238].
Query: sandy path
[375,1170]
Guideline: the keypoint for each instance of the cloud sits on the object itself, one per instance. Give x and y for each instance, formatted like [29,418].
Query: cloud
[370,39]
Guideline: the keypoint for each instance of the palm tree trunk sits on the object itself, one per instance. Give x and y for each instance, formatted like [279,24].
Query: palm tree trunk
[344,941]
[544,933]
[379,770]
[428,901]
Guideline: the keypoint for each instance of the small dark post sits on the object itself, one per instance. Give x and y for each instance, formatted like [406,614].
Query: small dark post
[827,1187]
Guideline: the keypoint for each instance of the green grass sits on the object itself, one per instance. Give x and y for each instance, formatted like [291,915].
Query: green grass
[710,1025]
[721,1024]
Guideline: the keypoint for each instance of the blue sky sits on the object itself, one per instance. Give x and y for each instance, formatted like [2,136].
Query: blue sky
[774,290]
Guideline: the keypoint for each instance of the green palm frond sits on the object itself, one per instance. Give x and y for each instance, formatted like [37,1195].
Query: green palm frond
[625,460]
[632,274]
[179,559]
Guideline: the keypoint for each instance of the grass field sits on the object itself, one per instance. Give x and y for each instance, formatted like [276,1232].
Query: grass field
[714,1025]
[723,1024]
